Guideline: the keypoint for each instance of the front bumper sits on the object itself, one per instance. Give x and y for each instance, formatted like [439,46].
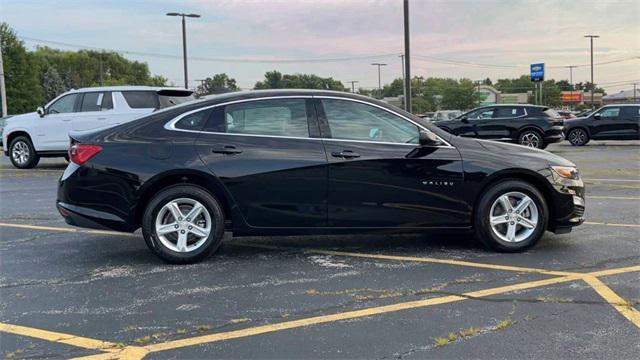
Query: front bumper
[569,204]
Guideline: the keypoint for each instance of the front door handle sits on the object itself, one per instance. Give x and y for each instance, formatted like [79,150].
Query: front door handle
[345,154]
[226,149]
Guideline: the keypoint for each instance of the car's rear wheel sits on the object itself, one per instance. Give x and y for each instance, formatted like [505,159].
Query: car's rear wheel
[22,153]
[511,216]
[578,137]
[183,224]
[531,138]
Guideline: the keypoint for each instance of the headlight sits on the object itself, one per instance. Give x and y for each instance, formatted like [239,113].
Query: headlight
[567,172]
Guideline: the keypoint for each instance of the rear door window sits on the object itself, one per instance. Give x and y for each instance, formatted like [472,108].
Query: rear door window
[631,112]
[141,99]
[283,117]
[194,122]
[508,112]
[96,101]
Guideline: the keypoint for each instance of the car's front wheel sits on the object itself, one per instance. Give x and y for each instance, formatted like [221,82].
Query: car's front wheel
[578,137]
[183,224]
[22,153]
[511,216]
[531,138]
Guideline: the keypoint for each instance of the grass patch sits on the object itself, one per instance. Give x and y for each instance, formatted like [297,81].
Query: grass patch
[469,332]
[142,340]
[504,324]
[440,342]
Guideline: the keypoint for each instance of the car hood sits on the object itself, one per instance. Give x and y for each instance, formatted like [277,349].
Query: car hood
[13,118]
[523,153]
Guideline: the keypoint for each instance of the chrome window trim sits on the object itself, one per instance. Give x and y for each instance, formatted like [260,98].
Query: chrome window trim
[170,125]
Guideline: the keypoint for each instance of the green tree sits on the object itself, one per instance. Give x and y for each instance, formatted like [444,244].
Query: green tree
[218,84]
[24,92]
[276,80]
[52,83]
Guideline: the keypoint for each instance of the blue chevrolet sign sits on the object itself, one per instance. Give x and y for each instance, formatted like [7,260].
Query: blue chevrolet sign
[537,72]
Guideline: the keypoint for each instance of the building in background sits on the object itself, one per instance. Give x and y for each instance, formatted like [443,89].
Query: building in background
[488,95]
[515,98]
[597,98]
[622,97]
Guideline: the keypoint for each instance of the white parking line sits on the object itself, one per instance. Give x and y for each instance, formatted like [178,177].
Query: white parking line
[614,180]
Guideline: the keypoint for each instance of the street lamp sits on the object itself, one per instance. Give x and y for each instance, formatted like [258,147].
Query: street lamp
[184,41]
[591,37]
[571,67]
[379,84]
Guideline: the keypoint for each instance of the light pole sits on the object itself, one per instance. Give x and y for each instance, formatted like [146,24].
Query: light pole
[184,41]
[379,83]
[591,37]
[407,59]
[404,88]
[3,94]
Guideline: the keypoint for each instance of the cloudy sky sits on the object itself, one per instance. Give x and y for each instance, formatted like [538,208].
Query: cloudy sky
[455,38]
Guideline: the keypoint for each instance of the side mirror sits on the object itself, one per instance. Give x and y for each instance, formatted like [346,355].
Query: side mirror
[427,138]
[597,116]
[464,119]
[40,111]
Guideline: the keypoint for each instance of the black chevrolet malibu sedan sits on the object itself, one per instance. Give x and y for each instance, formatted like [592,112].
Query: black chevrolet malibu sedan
[308,162]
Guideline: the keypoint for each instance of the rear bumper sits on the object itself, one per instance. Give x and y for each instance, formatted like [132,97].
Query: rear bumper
[92,199]
[555,134]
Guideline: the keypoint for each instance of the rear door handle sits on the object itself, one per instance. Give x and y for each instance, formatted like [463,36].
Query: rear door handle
[345,154]
[102,118]
[226,149]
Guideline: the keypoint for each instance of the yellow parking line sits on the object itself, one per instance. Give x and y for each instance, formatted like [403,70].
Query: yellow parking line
[198,340]
[58,337]
[623,307]
[443,261]
[64,229]
[613,197]
[610,224]
[615,271]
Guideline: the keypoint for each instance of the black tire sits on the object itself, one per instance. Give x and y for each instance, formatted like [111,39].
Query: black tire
[23,145]
[544,146]
[531,138]
[482,225]
[578,137]
[212,242]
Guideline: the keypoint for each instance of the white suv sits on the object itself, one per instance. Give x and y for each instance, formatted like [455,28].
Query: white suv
[44,133]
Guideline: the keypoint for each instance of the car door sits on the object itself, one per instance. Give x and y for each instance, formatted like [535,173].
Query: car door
[608,124]
[96,111]
[503,123]
[269,156]
[380,177]
[631,122]
[480,123]
[52,130]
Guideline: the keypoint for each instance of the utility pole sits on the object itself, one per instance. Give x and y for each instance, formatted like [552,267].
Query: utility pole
[404,89]
[407,59]
[635,98]
[571,81]
[379,83]
[3,92]
[184,42]
[593,86]
[353,85]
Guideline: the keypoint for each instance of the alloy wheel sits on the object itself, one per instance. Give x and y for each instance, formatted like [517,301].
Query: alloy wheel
[513,217]
[577,137]
[20,152]
[183,225]
[530,139]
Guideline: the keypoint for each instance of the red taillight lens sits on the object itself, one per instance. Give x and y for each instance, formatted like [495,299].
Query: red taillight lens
[81,153]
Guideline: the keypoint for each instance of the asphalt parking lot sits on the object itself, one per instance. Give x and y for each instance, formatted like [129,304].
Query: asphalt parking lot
[67,292]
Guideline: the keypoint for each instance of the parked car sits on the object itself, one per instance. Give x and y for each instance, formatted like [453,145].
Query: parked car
[442,115]
[566,114]
[44,133]
[427,115]
[610,122]
[3,123]
[528,125]
[308,162]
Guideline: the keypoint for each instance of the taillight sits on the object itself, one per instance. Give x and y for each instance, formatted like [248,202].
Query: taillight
[81,153]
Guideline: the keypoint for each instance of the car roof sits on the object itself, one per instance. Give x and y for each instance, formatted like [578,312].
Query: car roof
[621,105]
[126,88]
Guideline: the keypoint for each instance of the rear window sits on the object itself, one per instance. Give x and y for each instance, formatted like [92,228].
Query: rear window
[167,101]
[141,99]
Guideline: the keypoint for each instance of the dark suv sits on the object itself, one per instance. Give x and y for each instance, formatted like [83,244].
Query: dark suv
[610,122]
[529,125]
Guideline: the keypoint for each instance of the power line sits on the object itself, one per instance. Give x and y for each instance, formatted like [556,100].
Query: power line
[230,60]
